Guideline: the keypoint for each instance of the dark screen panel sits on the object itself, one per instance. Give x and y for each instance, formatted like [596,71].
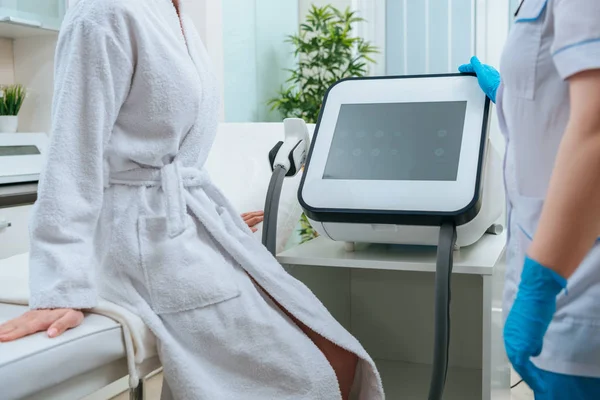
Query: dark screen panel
[397,141]
[6,151]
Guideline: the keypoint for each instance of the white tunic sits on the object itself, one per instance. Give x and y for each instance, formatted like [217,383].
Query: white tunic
[551,40]
[126,211]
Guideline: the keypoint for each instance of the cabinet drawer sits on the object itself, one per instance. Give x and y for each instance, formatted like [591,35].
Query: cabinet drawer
[14,239]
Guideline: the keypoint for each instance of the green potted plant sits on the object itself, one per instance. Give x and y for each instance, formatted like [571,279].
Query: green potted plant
[327,50]
[11,100]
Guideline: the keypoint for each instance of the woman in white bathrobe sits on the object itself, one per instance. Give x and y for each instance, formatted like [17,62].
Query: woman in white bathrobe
[127,212]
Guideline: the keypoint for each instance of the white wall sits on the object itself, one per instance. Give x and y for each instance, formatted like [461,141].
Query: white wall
[7,70]
[30,62]
[207,16]
[34,68]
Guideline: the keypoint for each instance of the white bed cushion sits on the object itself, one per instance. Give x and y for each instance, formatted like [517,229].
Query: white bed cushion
[239,166]
[37,363]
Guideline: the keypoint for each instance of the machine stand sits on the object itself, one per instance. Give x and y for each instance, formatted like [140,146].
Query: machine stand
[443,275]
[349,247]
[138,392]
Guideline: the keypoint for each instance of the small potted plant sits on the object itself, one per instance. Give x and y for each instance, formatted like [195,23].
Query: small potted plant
[11,100]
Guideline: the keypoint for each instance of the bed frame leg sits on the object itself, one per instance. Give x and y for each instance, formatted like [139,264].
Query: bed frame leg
[138,392]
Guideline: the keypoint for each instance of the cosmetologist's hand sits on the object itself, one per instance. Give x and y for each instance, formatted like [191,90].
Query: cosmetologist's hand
[54,322]
[529,319]
[488,76]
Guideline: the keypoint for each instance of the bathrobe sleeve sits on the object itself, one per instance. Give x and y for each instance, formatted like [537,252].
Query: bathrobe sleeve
[93,73]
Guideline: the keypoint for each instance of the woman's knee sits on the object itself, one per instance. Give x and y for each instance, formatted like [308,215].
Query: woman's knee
[342,361]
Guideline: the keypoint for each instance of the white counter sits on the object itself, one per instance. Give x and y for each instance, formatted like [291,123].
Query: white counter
[480,259]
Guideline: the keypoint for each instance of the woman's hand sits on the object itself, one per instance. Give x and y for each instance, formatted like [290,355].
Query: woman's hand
[54,322]
[253,218]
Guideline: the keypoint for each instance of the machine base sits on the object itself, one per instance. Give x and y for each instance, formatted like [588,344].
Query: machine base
[495,229]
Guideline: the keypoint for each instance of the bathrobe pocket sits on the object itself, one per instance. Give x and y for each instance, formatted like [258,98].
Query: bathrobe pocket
[184,272]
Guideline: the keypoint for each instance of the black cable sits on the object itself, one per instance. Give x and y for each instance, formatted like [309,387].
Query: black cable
[443,274]
[519,8]
[269,235]
[516,384]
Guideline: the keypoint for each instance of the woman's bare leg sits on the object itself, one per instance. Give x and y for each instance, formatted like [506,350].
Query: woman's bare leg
[342,361]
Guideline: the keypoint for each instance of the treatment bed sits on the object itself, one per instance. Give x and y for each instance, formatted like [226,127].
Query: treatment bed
[87,359]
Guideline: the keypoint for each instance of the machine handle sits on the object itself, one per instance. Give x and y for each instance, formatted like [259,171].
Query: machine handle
[269,234]
[291,152]
[4,224]
[287,159]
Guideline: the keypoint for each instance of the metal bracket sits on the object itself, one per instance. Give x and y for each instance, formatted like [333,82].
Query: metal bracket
[495,229]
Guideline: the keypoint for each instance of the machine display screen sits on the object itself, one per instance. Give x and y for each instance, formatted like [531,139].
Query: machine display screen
[397,141]
[6,151]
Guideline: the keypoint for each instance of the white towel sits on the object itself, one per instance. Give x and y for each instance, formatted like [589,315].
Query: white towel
[140,343]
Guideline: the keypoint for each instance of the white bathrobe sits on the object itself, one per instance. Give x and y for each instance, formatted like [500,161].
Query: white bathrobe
[127,212]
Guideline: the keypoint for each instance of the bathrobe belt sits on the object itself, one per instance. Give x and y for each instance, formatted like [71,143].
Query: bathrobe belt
[175,180]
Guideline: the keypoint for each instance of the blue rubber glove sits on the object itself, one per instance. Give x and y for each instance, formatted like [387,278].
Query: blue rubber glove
[529,319]
[488,76]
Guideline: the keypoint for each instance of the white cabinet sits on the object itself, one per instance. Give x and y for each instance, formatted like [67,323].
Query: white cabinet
[22,18]
[14,239]
[384,295]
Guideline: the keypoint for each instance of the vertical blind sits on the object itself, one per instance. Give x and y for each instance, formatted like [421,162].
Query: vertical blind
[428,36]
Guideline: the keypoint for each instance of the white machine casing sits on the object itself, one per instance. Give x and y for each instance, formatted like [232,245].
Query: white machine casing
[24,167]
[467,234]
[481,210]
[291,152]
